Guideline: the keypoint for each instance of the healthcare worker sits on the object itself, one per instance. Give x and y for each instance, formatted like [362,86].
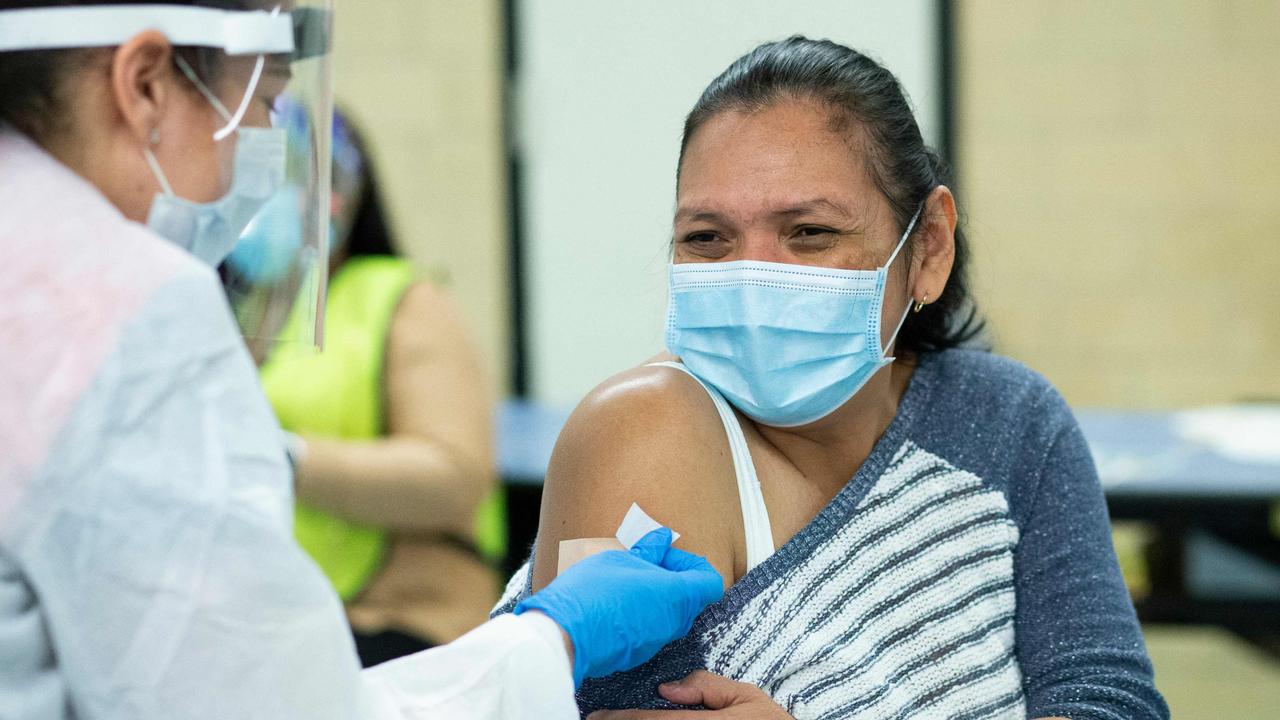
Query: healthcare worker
[147,567]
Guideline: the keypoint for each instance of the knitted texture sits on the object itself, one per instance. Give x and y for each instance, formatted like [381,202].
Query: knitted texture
[965,571]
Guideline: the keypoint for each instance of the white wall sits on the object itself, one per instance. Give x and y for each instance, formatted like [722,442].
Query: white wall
[601,96]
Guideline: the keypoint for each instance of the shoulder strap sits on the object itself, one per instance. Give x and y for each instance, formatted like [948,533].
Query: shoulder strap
[755,516]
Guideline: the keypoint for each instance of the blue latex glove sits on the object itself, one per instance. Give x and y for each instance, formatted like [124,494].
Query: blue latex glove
[621,608]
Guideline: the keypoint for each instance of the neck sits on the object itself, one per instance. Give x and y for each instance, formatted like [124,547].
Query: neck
[830,450]
[105,166]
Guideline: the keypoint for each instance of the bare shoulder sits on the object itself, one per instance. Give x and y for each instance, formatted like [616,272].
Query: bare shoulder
[424,297]
[424,311]
[427,327]
[652,436]
[652,414]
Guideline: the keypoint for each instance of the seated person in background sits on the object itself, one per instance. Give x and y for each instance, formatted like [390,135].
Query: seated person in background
[906,528]
[392,435]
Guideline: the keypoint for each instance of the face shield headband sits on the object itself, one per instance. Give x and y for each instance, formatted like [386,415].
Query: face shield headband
[235,32]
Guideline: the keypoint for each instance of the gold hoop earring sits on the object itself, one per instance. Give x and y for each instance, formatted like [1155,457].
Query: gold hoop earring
[920,305]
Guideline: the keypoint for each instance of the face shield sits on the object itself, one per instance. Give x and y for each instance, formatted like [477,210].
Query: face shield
[276,285]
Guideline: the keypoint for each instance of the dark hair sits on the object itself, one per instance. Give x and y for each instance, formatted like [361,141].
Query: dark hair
[902,167]
[369,233]
[32,82]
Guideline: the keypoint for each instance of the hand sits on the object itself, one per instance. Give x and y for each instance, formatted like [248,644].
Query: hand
[564,638]
[620,608]
[727,699]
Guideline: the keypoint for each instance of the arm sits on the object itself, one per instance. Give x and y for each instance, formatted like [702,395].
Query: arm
[1078,639]
[157,536]
[435,465]
[157,539]
[651,436]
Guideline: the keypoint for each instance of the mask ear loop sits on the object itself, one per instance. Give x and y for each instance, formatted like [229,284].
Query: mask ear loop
[233,120]
[155,167]
[894,336]
[910,226]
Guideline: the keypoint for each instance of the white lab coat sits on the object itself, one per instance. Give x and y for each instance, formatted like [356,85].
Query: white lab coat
[147,563]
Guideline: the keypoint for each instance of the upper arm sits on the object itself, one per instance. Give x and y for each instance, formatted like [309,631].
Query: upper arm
[649,436]
[1078,639]
[435,387]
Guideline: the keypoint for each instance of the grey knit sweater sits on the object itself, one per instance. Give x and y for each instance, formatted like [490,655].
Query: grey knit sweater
[965,571]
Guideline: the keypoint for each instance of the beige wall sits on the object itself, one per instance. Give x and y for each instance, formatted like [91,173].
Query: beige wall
[423,78]
[1120,168]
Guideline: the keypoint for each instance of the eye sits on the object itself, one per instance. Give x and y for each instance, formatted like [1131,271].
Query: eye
[705,244]
[810,231]
[814,238]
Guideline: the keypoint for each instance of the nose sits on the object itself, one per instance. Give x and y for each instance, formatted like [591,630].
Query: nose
[763,246]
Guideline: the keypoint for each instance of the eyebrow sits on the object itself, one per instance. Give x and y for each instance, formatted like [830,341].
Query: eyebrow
[697,215]
[694,214]
[815,205]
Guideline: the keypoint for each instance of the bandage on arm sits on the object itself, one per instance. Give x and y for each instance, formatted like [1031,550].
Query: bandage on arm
[635,525]
[573,552]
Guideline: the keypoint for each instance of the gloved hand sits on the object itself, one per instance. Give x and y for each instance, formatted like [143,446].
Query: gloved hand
[621,608]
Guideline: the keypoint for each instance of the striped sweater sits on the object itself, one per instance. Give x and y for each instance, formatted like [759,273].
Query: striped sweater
[965,571]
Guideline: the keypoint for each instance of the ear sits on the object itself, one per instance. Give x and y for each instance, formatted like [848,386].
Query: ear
[142,82]
[937,246]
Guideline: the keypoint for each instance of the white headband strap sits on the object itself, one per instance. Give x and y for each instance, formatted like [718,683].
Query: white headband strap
[236,32]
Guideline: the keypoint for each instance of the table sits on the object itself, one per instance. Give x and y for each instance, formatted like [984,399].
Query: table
[1142,455]
[1208,511]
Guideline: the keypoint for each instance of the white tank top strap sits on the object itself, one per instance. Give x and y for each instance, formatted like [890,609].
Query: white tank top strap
[755,516]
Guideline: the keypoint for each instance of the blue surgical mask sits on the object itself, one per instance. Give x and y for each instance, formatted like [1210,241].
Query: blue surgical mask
[210,230]
[785,344]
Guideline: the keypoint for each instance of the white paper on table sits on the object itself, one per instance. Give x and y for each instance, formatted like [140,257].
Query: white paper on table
[1244,433]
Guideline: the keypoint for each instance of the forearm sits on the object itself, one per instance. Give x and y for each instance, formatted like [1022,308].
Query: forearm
[398,483]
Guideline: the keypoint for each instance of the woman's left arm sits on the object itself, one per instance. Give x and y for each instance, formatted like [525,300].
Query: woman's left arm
[435,465]
[1078,638]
